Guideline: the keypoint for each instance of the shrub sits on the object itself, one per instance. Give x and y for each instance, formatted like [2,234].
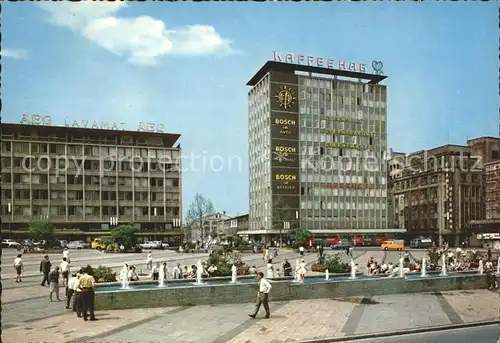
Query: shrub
[434,256]
[334,264]
[224,261]
[102,274]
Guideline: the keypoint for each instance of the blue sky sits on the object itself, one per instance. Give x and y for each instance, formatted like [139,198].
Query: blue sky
[186,65]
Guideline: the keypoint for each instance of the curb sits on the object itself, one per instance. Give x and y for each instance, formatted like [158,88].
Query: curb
[403,332]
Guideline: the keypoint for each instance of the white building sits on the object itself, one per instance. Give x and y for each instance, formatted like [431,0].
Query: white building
[213,224]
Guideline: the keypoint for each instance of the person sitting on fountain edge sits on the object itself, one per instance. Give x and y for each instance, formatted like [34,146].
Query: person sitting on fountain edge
[132,275]
[287,268]
[490,274]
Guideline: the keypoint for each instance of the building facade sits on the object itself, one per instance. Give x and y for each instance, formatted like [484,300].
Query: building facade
[212,225]
[492,191]
[317,151]
[488,148]
[438,193]
[234,225]
[86,181]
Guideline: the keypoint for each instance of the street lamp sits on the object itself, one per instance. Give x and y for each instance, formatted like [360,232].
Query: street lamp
[9,209]
[286,226]
[176,223]
[154,221]
[113,221]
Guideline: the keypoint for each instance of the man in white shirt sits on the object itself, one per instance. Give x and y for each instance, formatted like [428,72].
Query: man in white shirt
[301,250]
[262,296]
[177,272]
[66,255]
[18,266]
[65,271]
[71,289]
[149,261]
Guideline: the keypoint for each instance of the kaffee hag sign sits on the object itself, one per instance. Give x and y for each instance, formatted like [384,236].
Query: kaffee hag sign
[322,62]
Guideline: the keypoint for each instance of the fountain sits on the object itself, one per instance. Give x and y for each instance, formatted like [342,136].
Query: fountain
[424,268]
[124,277]
[443,265]
[353,269]
[401,267]
[327,274]
[296,274]
[270,271]
[199,273]
[161,276]
[234,274]
[480,269]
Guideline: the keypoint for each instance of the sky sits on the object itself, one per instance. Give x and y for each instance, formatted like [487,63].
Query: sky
[185,65]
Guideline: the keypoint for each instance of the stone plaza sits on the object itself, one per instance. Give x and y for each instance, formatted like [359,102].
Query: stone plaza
[27,316]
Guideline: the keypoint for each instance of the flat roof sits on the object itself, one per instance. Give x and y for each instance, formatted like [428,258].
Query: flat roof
[168,138]
[292,68]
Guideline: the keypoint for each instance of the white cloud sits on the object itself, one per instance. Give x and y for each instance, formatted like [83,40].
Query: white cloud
[18,54]
[142,39]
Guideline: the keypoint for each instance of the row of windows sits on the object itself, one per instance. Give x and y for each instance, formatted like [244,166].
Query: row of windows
[328,83]
[88,180]
[87,150]
[41,194]
[35,211]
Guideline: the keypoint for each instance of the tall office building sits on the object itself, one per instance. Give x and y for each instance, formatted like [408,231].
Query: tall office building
[317,143]
[85,181]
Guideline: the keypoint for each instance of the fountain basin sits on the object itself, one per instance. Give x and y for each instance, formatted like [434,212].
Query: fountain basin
[221,291]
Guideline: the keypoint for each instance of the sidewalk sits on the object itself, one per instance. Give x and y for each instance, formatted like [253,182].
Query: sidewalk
[292,321]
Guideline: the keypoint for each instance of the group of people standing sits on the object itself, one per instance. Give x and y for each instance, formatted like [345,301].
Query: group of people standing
[79,288]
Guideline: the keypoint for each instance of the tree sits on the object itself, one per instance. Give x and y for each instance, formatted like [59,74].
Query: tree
[125,234]
[41,230]
[299,235]
[199,208]
[281,213]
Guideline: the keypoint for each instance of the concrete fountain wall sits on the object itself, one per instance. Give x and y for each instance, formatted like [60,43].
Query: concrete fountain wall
[282,291]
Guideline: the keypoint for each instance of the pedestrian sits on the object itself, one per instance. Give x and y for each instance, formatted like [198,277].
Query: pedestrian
[301,250]
[77,302]
[54,283]
[18,266]
[70,290]
[45,266]
[65,270]
[262,296]
[149,261]
[66,254]
[177,271]
[86,285]
[156,271]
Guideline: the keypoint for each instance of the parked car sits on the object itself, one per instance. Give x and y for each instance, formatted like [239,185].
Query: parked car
[421,243]
[150,245]
[10,243]
[393,245]
[340,246]
[77,245]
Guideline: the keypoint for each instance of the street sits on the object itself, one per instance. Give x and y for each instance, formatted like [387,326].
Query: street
[478,334]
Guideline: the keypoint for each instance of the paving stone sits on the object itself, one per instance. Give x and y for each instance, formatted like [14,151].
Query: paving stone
[474,305]
[401,311]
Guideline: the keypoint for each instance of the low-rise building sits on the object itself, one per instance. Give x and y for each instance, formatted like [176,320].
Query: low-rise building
[236,225]
[212,225]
